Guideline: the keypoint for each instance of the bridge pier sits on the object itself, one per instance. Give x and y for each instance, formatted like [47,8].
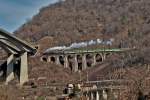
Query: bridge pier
[87,96]
[103,57]
[75,64]
[105,95]
[10,69]
[57,60]
[84,62]
[91,96]
[48,59]
[116,94]
[23,69]
[66,62]
[94,60]
[97,95]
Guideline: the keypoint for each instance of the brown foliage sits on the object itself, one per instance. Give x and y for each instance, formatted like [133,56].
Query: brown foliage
[8,93]
[73,20]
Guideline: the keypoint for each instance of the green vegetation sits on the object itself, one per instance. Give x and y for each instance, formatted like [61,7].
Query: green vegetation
[41,98]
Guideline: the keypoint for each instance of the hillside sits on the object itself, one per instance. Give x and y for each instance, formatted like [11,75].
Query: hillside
[67,21]
[125,21]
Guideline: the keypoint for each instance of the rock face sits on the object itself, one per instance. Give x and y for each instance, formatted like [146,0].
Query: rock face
[72,20]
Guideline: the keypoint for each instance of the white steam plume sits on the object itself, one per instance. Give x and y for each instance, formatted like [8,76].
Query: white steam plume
[82,44]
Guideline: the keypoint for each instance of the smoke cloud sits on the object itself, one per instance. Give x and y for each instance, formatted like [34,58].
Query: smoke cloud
[82,44]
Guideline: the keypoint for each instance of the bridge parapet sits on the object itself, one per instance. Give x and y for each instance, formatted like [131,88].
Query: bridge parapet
[83,51]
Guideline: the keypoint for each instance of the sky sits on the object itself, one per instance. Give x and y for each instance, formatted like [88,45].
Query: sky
[14,13]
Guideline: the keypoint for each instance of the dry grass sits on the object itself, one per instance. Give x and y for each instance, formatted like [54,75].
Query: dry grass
[8,93]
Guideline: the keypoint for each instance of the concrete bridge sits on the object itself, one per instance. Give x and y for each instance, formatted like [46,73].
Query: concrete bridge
[79,59]
[105,89]
[104,93]
[17,62]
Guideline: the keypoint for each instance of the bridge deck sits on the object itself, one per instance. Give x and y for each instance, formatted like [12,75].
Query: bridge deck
[113,80]
[106,87]
[13,44]
[83,50]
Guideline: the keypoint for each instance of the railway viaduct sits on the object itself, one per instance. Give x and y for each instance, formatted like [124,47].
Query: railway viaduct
[79,59]
[17,62]
[104,89]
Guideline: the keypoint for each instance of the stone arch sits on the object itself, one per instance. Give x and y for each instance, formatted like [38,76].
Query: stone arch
[89,59]
[44,59]
[79,59]
[71,66]
[99,57]
[61,59]
[52,59]
[70,57]
[70,61]
[108,54]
